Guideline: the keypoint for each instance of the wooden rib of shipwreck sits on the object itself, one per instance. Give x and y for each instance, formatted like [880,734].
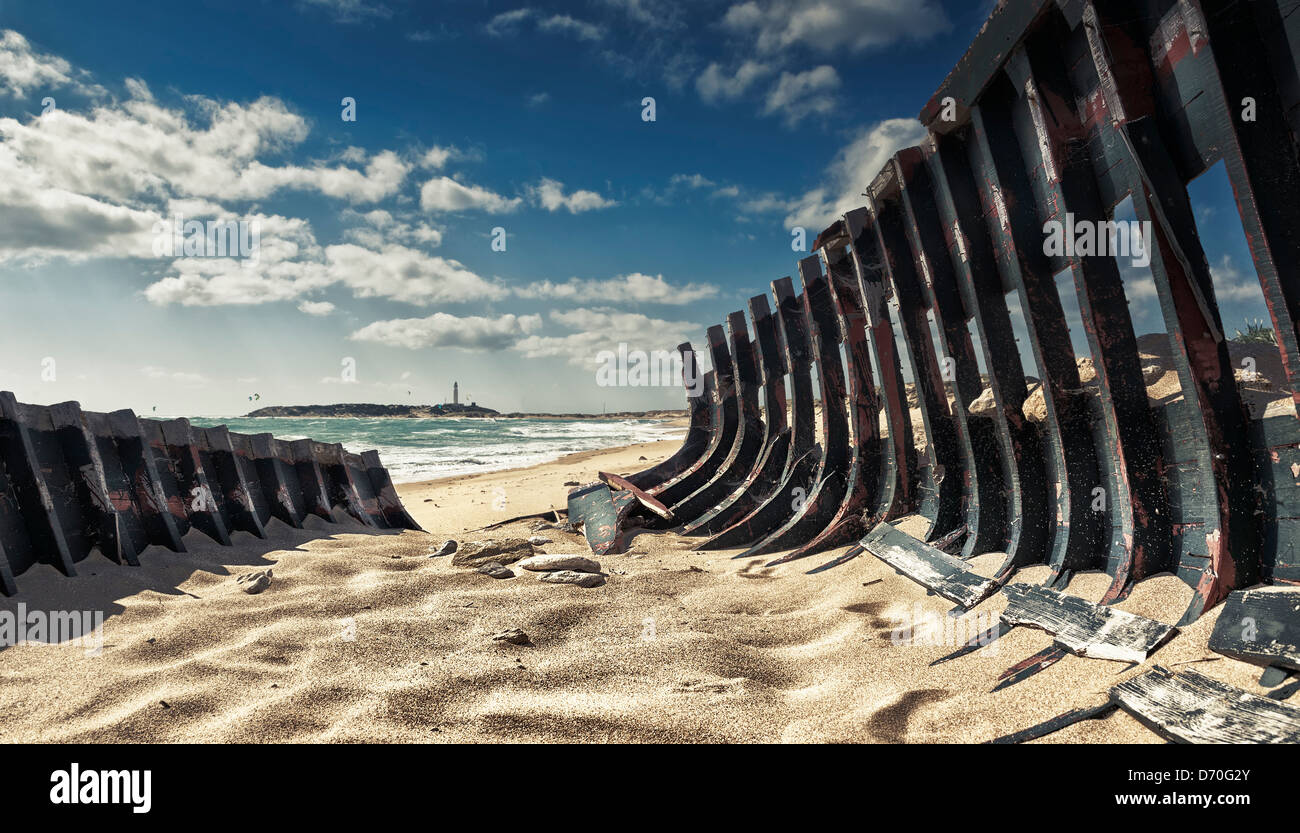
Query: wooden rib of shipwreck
[73,482]
[1059,108]
[1083,628]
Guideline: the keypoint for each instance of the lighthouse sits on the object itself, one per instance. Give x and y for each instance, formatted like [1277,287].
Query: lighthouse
[455,393]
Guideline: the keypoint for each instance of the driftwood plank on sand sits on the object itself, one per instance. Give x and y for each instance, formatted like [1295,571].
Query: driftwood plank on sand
[931,568]
[1084,628]
[1191,708]
[1260,626]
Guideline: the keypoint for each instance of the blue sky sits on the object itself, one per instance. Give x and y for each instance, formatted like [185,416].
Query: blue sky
[376,234]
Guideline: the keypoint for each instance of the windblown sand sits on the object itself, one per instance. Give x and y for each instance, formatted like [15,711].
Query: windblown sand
[363,637]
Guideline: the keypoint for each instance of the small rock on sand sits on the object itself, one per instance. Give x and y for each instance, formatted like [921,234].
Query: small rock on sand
[570,577]
[512,635]
[576,483]
[255,582]
[984,404]
[503,551]
[539,541]
[496,570]
[550,563]
[448,547]
[1087,371]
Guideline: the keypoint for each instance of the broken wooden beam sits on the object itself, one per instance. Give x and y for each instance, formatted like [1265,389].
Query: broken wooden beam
[933,569]
[1083,628]
[602,514]
[1260,627]
[1187,707]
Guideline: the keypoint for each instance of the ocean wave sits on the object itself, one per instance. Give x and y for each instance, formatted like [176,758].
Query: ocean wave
[424,449]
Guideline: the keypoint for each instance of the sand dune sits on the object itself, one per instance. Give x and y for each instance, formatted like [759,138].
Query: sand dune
[362,637]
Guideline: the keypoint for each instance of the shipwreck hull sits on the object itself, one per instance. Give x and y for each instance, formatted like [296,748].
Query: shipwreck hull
[73,482]
[1061,110]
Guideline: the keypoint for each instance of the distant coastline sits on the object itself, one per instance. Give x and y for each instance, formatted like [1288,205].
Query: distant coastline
[373,411]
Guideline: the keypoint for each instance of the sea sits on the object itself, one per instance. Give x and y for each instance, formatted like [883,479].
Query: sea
[423,449]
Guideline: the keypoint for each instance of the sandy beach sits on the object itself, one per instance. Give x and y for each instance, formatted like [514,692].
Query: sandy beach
[363,637]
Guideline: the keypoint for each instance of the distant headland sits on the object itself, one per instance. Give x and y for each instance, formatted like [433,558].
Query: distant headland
[372,411]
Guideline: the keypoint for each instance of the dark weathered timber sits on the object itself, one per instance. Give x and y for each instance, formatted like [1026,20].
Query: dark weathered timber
[803,456]
[226,477]
[777,436]
[33,531]
[986,520]
[898,479]
[1083,628]
[723,437]
[1029,666]
[1226,552]
[945,506]
[381,482]
[105,514]
[174,440]
[1260,626]
[278,478]
[315,486]
[1135,495]
[747,447]
[340,483]
[1263,166]
[935,570]
[859,509]
[123,449]
[979,246]
[643,497]
[1060,111]
[814,510]
[601,513]
[74,482]
[1187,707]
[699,399]
[358,474]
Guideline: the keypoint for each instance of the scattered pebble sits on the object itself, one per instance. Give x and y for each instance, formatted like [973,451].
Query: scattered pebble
[640,458]
[503,551]
[496,570]
[448,547]
[574,482]
[514,636]
[539,541]
[255,582]
[570,577]
[550,563]
[984,404]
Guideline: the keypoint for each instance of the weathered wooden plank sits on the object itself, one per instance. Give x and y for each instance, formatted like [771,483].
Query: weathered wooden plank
[1260,626]
[601,514]
[931,568]
[643,497]
[1084,628]
[1187,707]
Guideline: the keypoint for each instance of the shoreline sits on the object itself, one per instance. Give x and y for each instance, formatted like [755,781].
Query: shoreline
[650,416]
